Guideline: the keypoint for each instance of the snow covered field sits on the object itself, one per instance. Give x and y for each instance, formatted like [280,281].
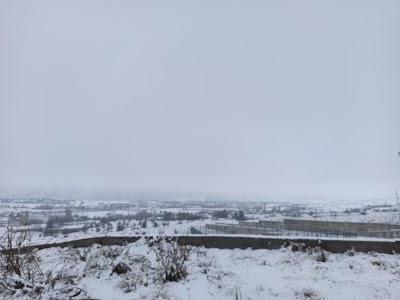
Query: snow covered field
[218,274]
[211,273]
[86,219]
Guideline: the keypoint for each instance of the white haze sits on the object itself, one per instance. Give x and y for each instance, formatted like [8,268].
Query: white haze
[282,98]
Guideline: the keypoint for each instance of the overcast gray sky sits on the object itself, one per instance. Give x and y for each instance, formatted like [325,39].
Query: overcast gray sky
[269,97]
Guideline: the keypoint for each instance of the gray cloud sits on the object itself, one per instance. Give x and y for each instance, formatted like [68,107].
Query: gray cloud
[278,98]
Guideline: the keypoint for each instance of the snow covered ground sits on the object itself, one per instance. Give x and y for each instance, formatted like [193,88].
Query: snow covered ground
[219,274]
[212,273]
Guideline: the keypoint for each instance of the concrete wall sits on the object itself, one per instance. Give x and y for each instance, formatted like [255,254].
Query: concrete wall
[229,242]
[360,229]
[105,241]
[335,246]
[378,230]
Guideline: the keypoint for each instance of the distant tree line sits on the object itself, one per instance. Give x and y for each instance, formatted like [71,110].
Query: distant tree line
[180,216]
[144,215]
[223,214]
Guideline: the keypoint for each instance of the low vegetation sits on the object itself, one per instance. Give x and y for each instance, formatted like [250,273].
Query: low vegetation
[21,274]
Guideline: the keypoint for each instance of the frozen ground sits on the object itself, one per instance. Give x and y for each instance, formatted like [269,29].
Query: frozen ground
[221,274]
[212,273]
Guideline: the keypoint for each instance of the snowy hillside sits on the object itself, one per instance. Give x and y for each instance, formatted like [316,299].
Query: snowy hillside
[92,273]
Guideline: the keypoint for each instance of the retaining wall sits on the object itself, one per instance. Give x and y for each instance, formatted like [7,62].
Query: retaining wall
[378,230]
[241,242]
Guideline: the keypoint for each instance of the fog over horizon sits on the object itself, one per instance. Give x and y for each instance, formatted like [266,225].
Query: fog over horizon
[275,98]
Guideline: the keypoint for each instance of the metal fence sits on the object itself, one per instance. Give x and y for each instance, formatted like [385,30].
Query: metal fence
[259,230]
